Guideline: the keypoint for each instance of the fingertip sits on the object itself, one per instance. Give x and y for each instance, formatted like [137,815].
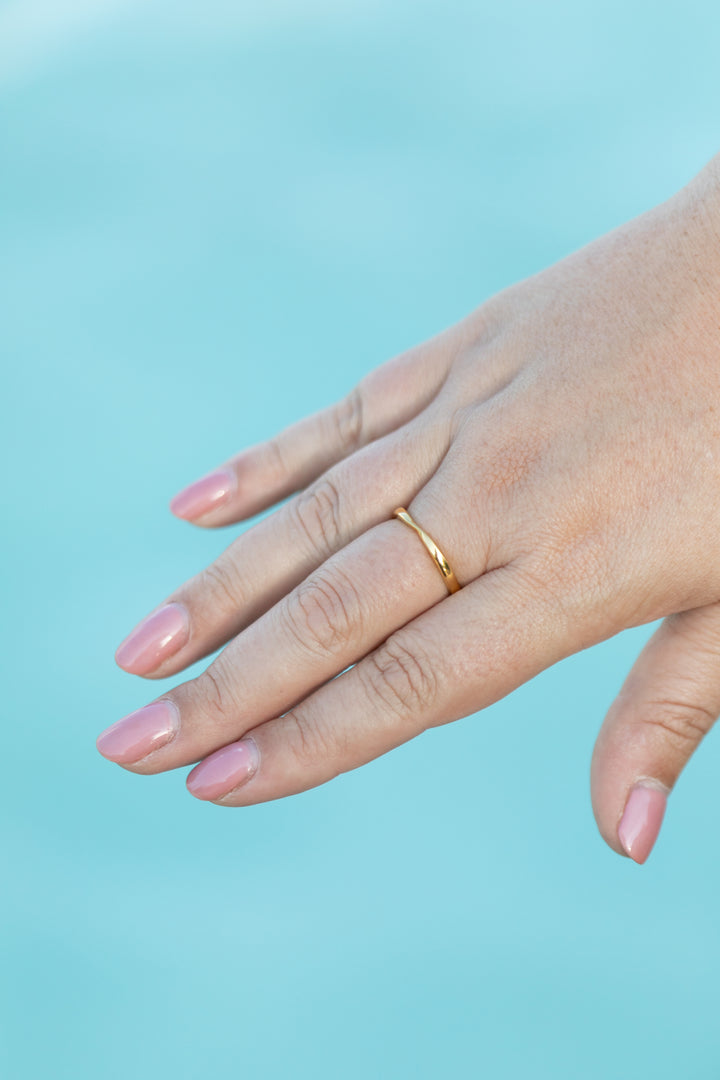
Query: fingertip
[222,773]
[204,496]
[642,818]
[130,740]
[159,636]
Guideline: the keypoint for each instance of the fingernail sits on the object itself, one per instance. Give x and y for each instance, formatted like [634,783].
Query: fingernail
[154,639]
[640,824]
[224,770]
[204,495]
[139,733]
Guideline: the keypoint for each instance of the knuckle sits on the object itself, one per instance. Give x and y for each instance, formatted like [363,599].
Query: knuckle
[309,740]
[219,702]
[220,580]
[459,417]
[403,677]
[571,577]
[684,723]
[347,418]
[544,583]
[275,458]
[317,514]
[499,456]
[324,613]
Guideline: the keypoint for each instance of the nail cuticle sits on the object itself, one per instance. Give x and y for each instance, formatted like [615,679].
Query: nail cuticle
[651,782]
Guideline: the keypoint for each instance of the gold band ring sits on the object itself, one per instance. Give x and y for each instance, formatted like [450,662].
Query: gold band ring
[437,556]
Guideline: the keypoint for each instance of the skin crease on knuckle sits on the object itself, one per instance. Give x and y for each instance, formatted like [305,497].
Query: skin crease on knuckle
[221,584]
[403,677]
[310,741]
[318,515]
[324,614]
[348,421]
[682,723]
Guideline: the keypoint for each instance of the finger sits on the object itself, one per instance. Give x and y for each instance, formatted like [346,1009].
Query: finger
[260,476]
[669,701]
[460,656]
[346,608]
[274,556]
[270,559]
[357,598]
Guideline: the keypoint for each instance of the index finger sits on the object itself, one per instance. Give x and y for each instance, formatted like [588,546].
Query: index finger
[260,476]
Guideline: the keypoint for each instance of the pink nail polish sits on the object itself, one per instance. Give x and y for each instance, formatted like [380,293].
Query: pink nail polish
[139,733]
[154,639]
[224,770]
[204,495]
[640,824]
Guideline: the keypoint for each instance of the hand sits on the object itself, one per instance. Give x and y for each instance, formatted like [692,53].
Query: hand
[562,447]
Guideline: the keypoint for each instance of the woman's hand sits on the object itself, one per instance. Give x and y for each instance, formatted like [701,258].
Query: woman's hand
[562,447]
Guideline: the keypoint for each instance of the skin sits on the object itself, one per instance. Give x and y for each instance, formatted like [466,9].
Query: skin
[562,447]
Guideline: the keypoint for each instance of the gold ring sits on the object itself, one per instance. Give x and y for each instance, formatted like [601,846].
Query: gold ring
[437,556]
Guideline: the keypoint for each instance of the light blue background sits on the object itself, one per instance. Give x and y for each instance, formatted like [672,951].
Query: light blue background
[214,217]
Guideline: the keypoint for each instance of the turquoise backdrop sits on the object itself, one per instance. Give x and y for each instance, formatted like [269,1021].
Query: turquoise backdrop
[214,217]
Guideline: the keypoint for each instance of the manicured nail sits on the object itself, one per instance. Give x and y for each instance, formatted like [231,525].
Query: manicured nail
[154,639]
[642,819]
[224,770]
[139,733]
[204,495]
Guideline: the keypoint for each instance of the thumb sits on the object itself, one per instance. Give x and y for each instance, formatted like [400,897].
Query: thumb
[670,699]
